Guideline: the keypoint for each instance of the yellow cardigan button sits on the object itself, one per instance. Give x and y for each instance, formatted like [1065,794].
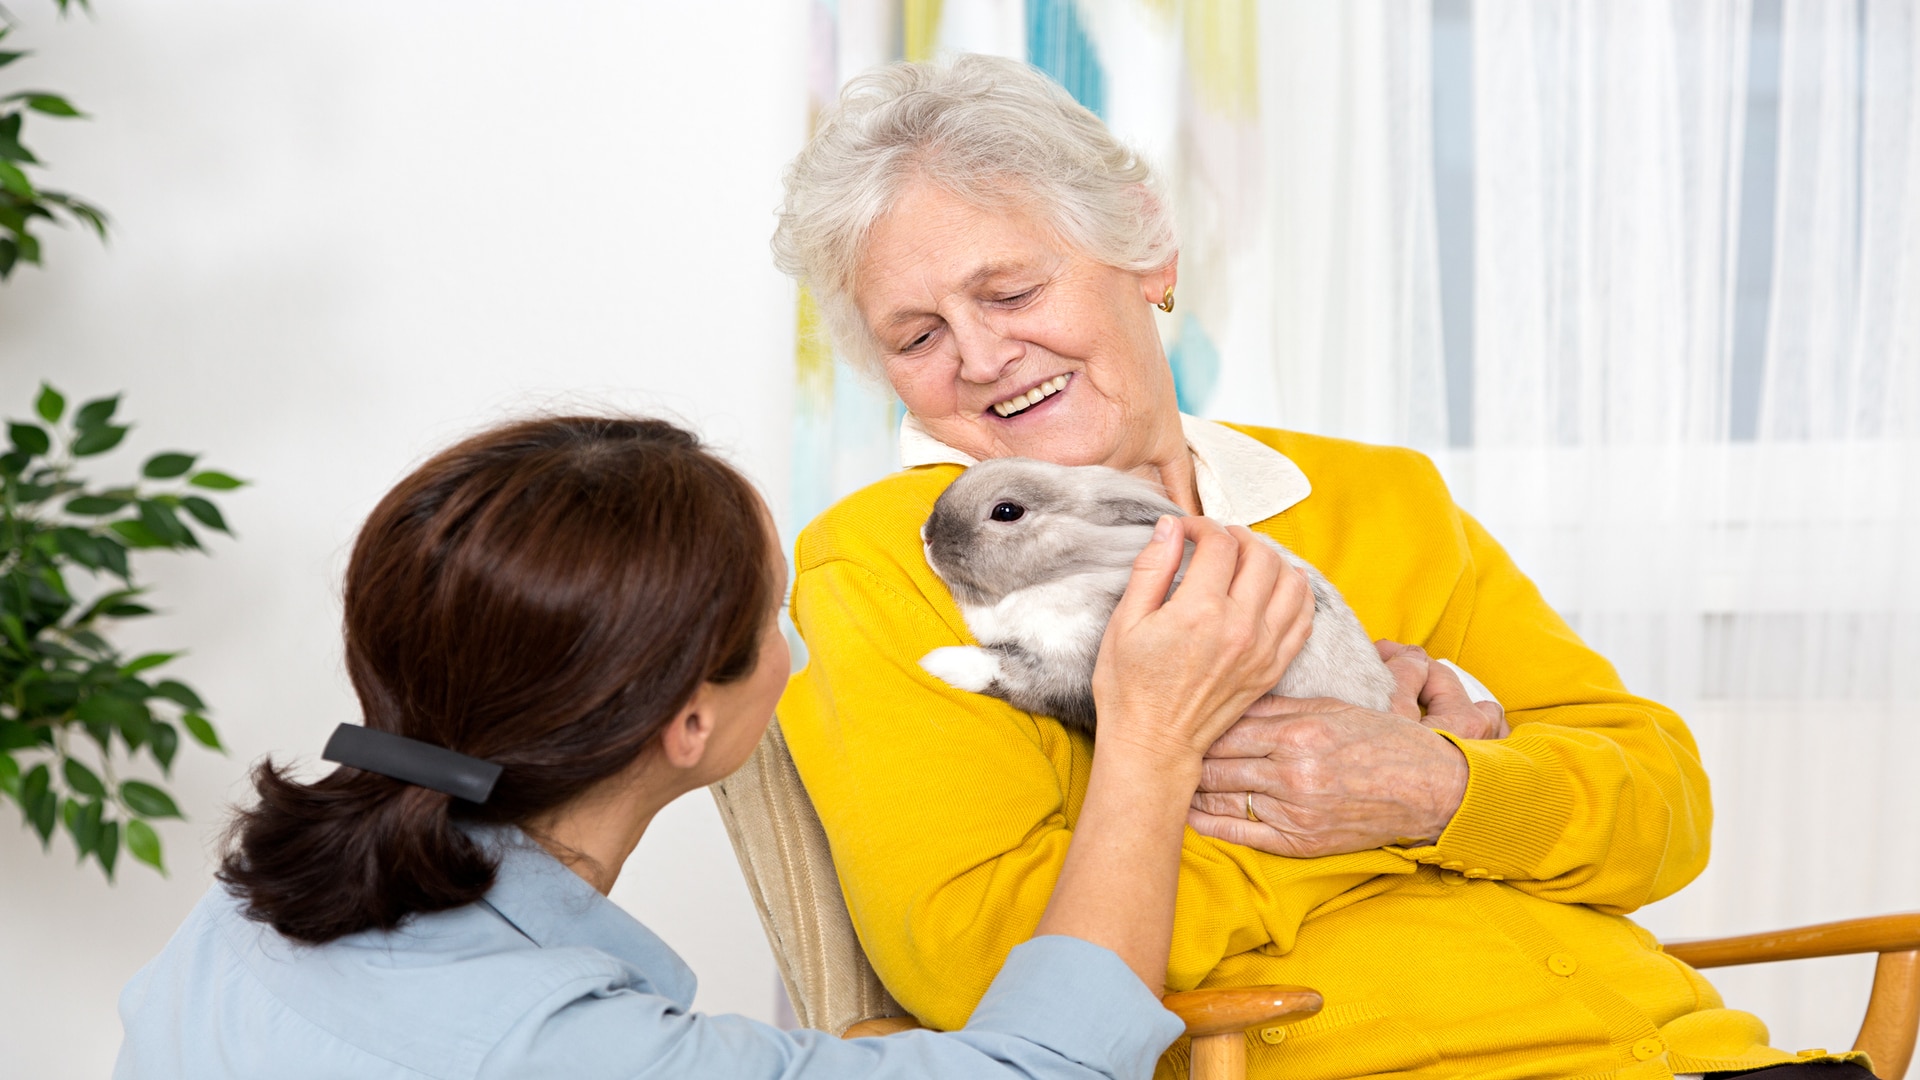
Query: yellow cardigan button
[1562,964]
[1648,1049]
[1273,1036]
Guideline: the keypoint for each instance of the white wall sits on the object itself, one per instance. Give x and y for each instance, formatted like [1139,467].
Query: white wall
[345,233]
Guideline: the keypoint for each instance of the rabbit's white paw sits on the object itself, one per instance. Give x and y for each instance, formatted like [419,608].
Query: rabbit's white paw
[964,666]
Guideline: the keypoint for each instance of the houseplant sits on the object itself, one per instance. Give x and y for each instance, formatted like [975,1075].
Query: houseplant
[22,202]
[76,714]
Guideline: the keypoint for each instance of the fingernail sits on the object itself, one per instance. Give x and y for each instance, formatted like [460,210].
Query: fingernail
[1166,529]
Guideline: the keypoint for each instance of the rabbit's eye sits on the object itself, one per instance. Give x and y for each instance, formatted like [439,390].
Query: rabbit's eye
[1007,511]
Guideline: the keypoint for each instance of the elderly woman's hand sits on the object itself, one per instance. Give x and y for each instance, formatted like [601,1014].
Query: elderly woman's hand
[1323,777]
[1175,672]
[1428,691]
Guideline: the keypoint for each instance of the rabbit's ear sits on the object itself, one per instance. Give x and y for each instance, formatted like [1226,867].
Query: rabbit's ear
[1109,497]
[1134,511]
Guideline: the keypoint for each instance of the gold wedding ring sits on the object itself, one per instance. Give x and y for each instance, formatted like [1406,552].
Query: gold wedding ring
[1251,816]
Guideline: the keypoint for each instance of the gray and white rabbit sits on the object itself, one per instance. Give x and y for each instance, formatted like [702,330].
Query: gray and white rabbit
[1037,556]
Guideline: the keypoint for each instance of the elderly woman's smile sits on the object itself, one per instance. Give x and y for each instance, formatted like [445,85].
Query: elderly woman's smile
[1003,340]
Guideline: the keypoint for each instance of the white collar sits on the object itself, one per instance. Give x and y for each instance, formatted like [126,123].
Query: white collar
[1241,480]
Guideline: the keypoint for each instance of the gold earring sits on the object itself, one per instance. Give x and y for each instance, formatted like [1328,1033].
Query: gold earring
[1166,301]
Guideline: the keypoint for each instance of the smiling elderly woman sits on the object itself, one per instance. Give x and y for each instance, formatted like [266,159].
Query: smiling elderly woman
[986,245]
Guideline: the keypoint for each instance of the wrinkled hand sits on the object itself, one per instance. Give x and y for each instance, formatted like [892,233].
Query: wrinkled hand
[1422,684]
[1174,673]
[1327,778]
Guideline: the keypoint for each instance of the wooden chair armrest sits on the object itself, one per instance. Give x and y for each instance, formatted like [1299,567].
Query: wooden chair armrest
[879,1025]
[1238,1008]
[1205,1012]
[1879,934]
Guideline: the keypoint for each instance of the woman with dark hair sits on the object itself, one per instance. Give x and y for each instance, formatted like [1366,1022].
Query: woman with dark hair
[556,628]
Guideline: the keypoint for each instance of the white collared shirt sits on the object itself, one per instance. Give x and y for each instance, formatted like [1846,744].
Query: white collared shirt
[1240,480]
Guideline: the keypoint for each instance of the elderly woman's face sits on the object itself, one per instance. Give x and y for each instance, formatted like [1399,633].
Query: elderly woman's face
[1005,341]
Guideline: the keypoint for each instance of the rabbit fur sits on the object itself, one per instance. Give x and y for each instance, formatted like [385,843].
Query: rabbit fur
[1037,555]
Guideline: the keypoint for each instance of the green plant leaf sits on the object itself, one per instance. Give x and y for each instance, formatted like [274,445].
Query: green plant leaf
[9,776]
[137,535]
[37,801]
[15,735]
[29,438]
[113,554]
[205,513]
[98,440]
[29,247]
[167,466]
[94,505]
[180,693]
[82,780]
[202,731]
[147,662]
[91,641]
[115,710]
[9,255]
[14,181]
[215,481]
[92,216]
[118,711]
[42,102]
[105,602]
[161,520]
[80,546]
[107,848]
[16,632]
[70,811]
[164,742]
[128,611]
[96,413]
[9,57]
[144,844]
[50,404]
[32,785]
[11,150]
[83,821]
[147,801]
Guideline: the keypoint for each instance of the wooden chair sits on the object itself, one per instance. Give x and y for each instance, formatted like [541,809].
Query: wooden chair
[1893,1009]
[789,870]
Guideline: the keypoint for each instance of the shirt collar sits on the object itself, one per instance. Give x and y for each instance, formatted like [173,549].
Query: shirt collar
[555,908]
[1241,480]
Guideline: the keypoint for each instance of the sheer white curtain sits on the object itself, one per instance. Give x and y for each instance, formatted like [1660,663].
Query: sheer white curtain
[1681,322]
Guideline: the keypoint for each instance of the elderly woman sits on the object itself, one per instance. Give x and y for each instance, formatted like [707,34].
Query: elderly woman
[986,245]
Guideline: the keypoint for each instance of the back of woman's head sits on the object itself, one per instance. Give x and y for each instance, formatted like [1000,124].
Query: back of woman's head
[544,596]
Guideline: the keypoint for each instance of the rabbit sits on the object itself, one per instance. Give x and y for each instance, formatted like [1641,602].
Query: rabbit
[1037,555]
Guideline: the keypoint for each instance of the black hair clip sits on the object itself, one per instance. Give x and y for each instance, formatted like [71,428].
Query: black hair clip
[422,764]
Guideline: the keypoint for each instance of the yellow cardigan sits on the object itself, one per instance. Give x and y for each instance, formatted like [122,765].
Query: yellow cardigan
[1500,951]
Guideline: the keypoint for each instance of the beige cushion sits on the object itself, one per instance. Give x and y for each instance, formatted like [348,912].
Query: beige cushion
[789,868]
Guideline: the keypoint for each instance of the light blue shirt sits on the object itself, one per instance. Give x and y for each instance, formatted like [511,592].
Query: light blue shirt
[547,978]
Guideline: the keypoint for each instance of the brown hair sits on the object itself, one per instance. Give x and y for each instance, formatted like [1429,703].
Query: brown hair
[546,596]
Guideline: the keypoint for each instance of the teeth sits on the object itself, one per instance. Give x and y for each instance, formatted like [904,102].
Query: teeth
[1032,397]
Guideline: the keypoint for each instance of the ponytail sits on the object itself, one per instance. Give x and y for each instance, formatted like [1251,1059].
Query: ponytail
[544,596]
[352,851]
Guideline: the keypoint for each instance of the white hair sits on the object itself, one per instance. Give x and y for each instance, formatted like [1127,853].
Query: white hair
[995,132]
